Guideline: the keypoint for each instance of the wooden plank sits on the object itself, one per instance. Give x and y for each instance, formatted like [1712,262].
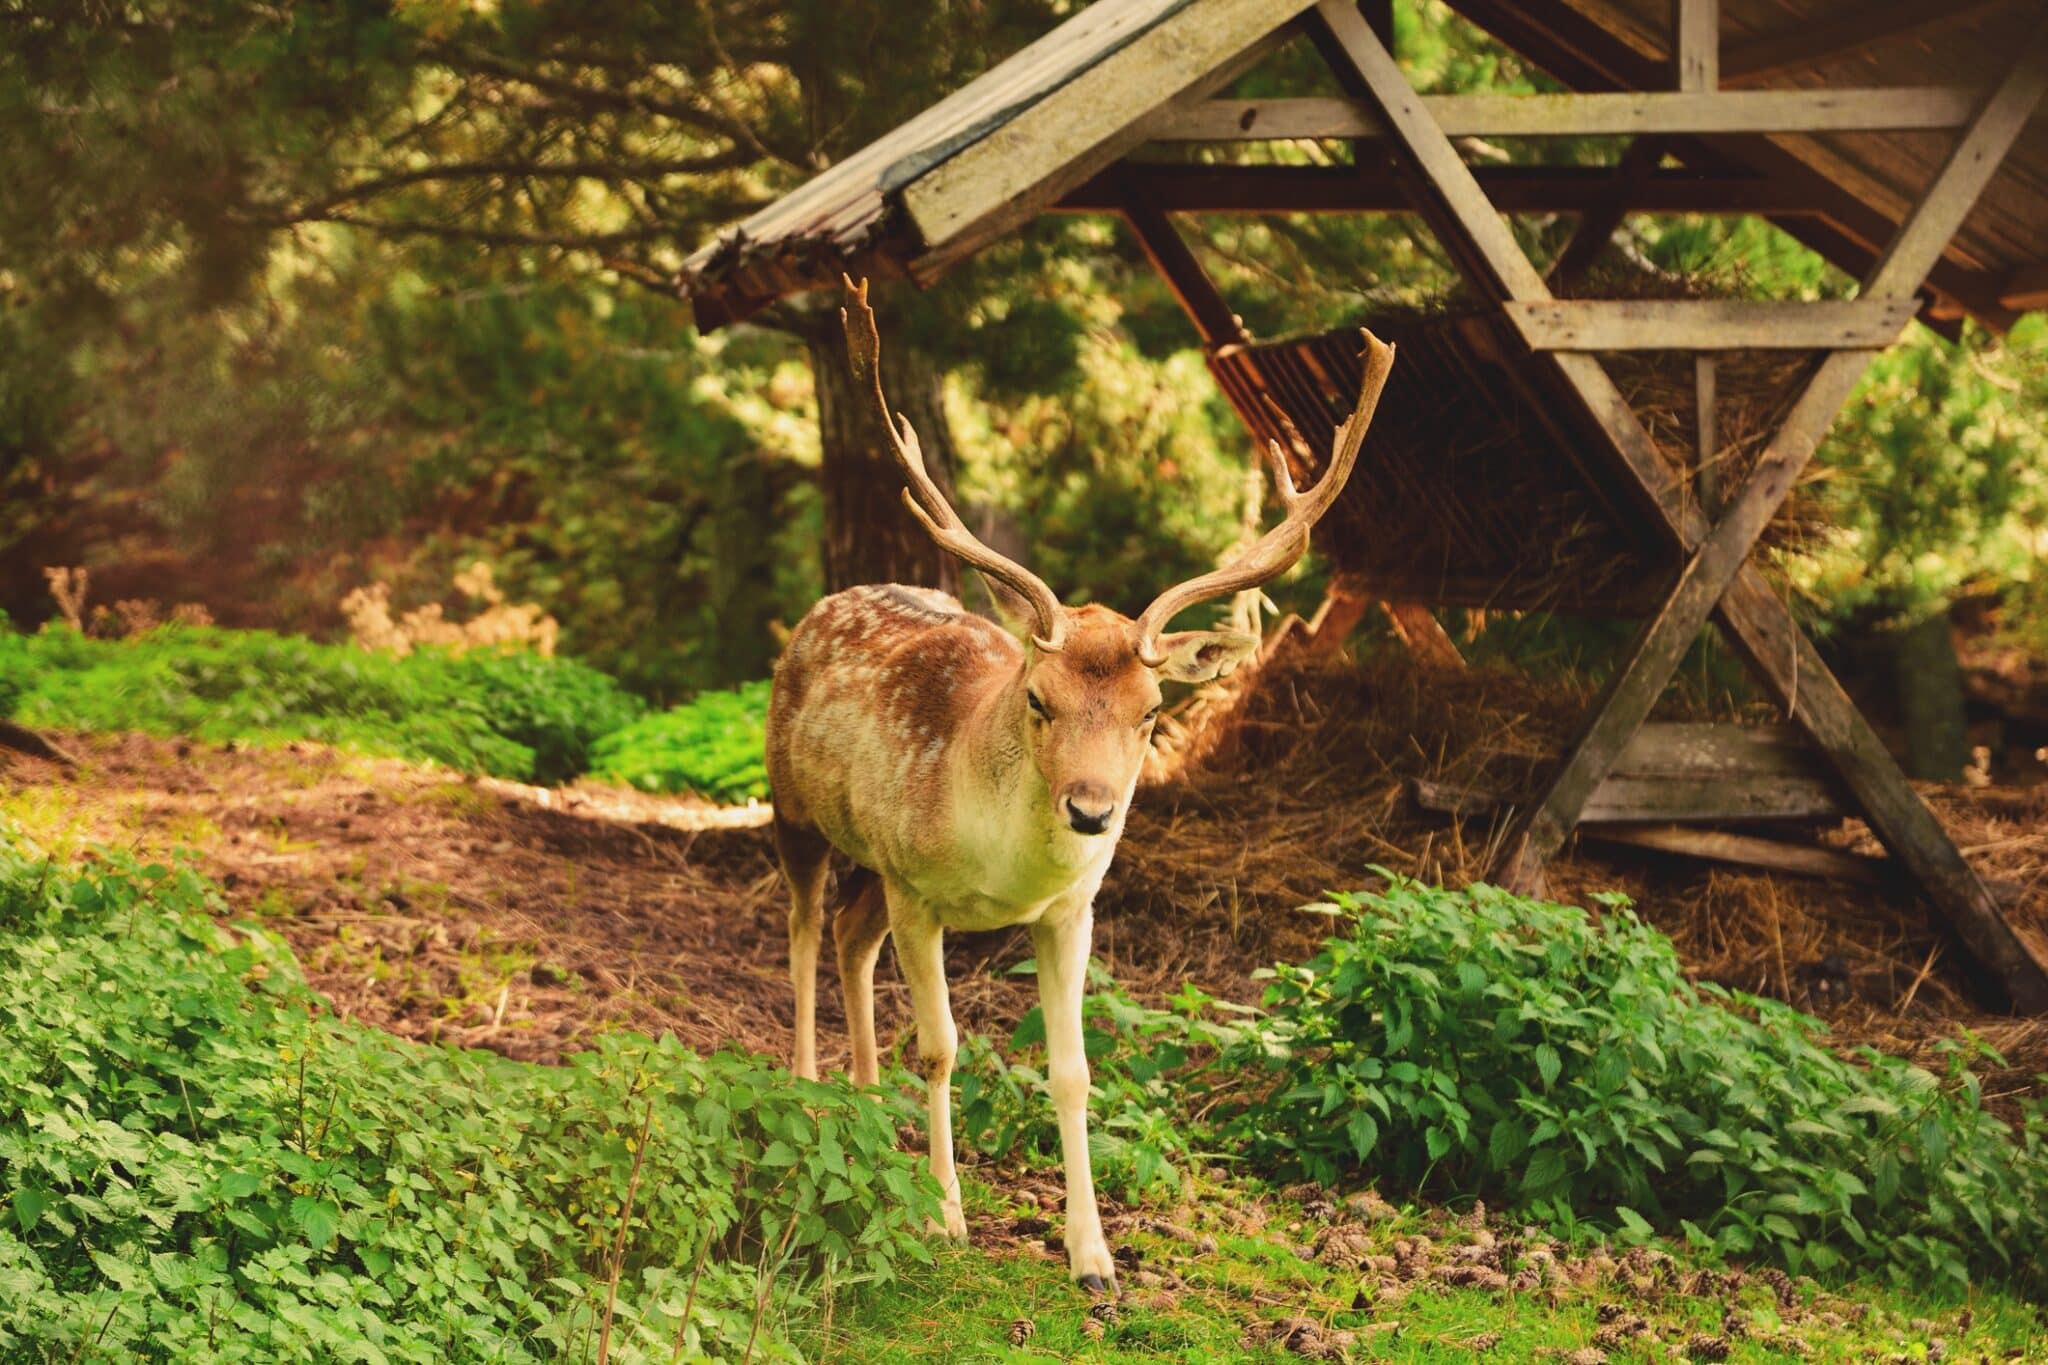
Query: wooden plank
[2025,287]
[1696,44]
[1173,187]
[1709,324]
[1082,126]
[1696,749]
[1814,40]
[1630,113]
[1197,294]
[1623,799]
[1597,224]
[1706,480]
[1747,850]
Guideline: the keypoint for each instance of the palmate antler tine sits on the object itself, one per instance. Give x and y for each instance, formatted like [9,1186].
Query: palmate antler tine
[1276,551]
[922,496]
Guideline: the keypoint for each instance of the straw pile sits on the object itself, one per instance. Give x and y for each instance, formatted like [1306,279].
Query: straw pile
[1303,785]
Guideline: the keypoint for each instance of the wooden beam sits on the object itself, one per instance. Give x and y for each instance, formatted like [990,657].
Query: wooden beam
[1628,113]
[1006,177]
[1708,324]
[1477,239]
[2025,287]
[1168,251]
[1696,44]
[1816,41]
[1178,188]
[1747,850]
[1706,480]
[1598,223]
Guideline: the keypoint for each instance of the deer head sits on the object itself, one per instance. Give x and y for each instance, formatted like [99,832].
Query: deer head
[1087,690]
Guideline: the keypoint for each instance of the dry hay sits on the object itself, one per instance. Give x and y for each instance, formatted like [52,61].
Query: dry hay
[1304,786]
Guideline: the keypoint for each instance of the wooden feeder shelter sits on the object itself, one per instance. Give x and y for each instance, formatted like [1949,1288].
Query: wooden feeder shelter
[1897,138]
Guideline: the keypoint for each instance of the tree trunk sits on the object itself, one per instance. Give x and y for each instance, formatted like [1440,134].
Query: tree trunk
[870,537]
[1931,694]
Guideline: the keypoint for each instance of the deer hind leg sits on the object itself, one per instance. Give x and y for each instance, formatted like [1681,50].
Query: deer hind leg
[1062,948]
[803,853]
[857,932]
[921,954]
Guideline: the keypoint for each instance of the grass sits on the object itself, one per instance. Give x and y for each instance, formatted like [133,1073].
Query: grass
[1243,1299]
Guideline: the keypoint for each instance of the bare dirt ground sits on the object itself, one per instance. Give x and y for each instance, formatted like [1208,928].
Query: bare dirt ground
[493,915]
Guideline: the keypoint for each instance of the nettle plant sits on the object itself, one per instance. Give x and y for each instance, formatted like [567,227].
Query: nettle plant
[711,745]
[1150,1069]
[1475,1042]
[196,1164]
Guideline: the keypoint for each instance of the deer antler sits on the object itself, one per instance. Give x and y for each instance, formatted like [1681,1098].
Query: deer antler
[1275,552]
[923,498]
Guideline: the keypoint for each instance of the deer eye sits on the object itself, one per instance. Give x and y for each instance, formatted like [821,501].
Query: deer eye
[1150,716]
[1037,706]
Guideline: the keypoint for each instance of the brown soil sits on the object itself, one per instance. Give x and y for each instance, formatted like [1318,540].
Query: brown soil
[494,915]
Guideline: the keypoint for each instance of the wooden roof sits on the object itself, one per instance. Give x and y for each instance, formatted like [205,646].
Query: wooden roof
[1017,140]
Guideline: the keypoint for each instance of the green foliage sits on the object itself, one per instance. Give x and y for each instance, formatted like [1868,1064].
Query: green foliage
[1938,474]
[1147,1067]
[1477,1042]
[198,1165]
[712,746]
[511,714]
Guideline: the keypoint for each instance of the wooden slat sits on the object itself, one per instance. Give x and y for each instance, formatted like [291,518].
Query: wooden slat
[1696,45]
[1706,479]
[1747,850]
[1007,176]
[1621,799]
[1904,108]
[1941,210]
[1687,748]
[2026,287]
[1812,41]
[1597,224]
[1264,189]
[1197,294]
[1708,324]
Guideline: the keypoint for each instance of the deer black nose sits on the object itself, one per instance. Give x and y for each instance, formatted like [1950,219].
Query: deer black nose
[1088,807]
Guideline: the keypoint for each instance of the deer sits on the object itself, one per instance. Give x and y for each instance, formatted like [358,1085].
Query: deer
[978,775]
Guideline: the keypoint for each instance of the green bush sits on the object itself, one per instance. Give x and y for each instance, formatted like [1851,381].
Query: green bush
[199,1166]
[713,746]
[1474,1042]
[510,714]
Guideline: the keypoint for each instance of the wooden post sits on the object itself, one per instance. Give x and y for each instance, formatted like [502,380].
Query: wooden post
[1696,44]
[1706,479]
[1717,576]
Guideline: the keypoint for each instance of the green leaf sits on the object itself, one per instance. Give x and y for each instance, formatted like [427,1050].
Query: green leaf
[317,1218]
[1548,1064]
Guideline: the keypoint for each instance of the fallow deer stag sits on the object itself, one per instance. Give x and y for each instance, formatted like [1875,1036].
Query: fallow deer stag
[980,777]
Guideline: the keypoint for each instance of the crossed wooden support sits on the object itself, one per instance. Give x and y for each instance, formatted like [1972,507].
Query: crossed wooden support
[1717,579]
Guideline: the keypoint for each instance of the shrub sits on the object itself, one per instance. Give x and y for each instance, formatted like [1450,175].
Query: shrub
[713,746]
[199,1166]
[1476,1042]
[1148,1068]
[510,714]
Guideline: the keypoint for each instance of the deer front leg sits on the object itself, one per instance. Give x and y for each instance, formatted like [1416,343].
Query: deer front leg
[1062,944]
[921,956]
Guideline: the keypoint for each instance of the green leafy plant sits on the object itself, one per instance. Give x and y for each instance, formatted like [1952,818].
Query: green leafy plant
[1148,1067]
[198,1164]
[1476,1042]
[509,713]
[713,746]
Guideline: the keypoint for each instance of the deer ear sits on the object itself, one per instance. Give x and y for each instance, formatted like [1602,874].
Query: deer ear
[1197,656]
[1013,609]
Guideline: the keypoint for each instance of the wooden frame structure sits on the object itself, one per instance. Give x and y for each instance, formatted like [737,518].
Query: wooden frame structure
[1056,129]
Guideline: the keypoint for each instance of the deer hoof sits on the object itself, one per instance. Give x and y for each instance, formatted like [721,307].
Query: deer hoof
[1093,1284]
